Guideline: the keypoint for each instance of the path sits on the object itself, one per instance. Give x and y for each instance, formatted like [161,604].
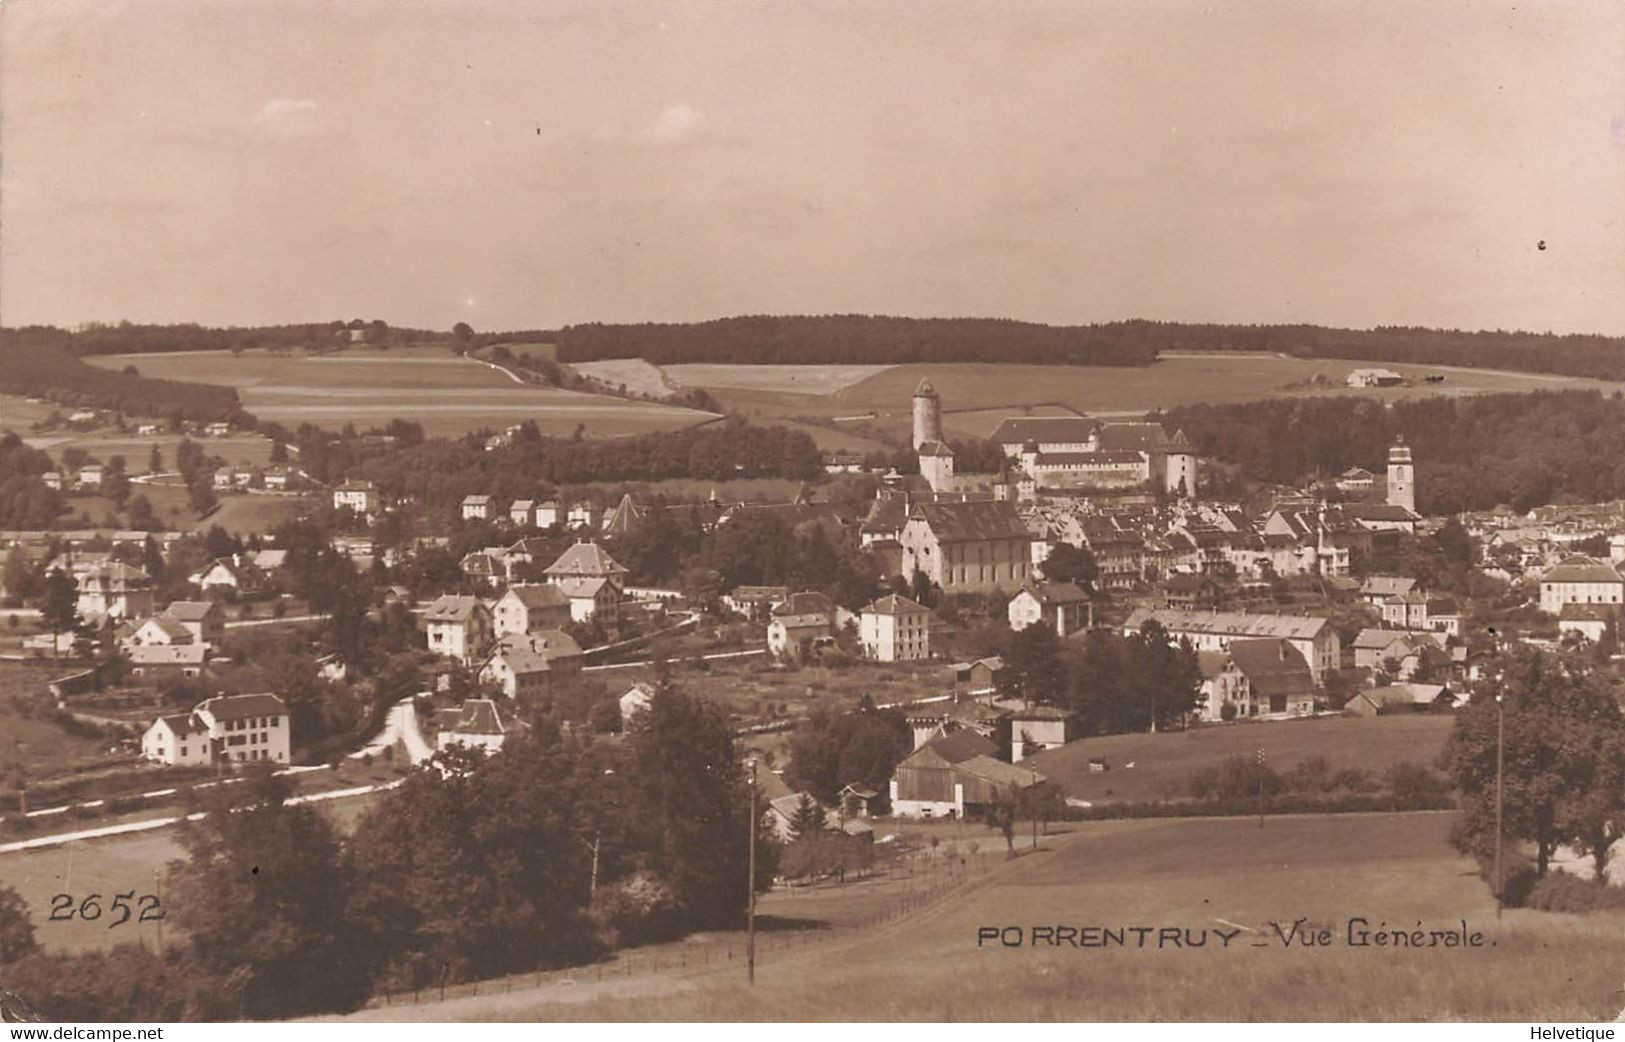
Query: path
[400,725]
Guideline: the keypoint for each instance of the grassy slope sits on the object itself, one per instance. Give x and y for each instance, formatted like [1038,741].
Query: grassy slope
[1186,874]
[1163,761]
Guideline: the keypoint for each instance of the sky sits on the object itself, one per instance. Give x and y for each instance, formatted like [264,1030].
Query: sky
[534,163]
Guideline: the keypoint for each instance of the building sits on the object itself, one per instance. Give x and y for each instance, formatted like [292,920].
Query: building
[459,627]
[1260,679]
[799,622]
[529,608]
[1401,477]
[522,512]
[1591,621]
[359,496]
[1214,631]
[547,514]
[1061,606]
[1376,589]
[1580,580]
[476,724]
[476,508]
[1356,479]
[635,701]
[968,547]
[90,476]
[954,776]
[591,580]
[1374,378]
[1400,698]
[227,728]
[1418,611]
[523,664]
[234,573]
[114,590]
[895,629]
[927,415]
[1036,729]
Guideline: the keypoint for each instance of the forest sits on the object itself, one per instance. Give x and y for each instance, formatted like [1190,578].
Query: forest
[38,368]
[121,338]
[1471,453]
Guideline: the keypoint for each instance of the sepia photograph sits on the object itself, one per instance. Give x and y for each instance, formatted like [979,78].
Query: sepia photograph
[741,511]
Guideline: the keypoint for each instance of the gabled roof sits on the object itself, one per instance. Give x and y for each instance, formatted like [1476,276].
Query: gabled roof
[1378,512]
[807,602]
[894,604]
[1056,593]
[452,607]
[183,724]
[1387,585]
[934,448]
[1376,638]
[577,588]
[1062,430]
[1272,666]
[1229,623]
[537,595]
[1133,437]
[967,522]
[478,716]
[1000,773]
[960,745]
[172,627]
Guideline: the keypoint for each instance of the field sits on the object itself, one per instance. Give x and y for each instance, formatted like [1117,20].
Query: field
[1162,762]
[976,396]
[448,394]
[1191,876]
[20,414]
[634,374]
[785,379]
[247,514]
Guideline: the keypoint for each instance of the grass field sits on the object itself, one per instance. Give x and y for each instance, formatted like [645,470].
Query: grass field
[446,393]
[1187,875]
[1163,761]
[976,396]
[245,515]
[785,379]
[634,374]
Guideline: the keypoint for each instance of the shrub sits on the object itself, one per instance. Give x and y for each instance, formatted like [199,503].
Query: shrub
[1561,892]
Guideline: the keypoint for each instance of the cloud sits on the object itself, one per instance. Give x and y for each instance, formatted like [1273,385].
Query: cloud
[673,124]
[290,117]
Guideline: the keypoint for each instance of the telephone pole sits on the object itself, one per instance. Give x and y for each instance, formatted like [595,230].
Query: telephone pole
[750,914]
[1260,788]
[1500,764]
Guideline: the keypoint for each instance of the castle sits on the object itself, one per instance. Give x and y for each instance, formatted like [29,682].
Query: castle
[1061,453]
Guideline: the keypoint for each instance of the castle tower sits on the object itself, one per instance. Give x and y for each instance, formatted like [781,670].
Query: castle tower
[1401,476]
[1179,473]
[927,414]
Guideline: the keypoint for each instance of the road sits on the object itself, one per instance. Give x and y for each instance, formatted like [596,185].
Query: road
[400,725]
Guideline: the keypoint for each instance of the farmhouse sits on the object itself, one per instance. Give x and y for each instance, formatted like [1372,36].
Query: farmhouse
[1062,606]
[1214,631]
[895,629]
[1400,698]
[1258,679]
[953,776]
[1374,378]
[799,622]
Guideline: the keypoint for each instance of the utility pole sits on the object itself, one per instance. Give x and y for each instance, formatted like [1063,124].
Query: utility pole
[1260,788]
[158,891]
[1500,791]
[592,887]
[750,914]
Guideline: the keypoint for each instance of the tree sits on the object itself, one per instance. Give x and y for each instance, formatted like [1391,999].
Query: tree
[1002,812]
[19,579]
[1071,564]
[279,451]
[1562,731]
[462,332]
[808,820]
[1033,668]
[155,459]
[262,897]
[16,928]
[59,607]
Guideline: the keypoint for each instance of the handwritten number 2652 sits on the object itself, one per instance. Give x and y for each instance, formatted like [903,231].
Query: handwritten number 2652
[90,909]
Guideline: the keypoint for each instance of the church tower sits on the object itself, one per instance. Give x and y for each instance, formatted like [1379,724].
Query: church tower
[1401,476]
[927,415]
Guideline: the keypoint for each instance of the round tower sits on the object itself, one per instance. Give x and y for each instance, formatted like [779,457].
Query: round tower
[1401,476]
[927,414]
[1179,472]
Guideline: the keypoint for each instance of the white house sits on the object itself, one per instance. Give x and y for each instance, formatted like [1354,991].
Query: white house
[895,629]
[523,664]
[636,701]
[117,590]
[1063,607]
[458,626]
[476,724]
[476,508]
[521,511]
[359,496]
[231,728]
[798,622]
[1214,630]
[179,740]
[529,607]
[1036,729]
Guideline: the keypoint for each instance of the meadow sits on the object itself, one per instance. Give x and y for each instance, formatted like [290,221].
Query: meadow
[1162,763]
[1194,876]
[977,396]
[447,394]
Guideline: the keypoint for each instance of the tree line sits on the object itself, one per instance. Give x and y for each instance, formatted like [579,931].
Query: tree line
[122,338]
[39,368]
[1471,453]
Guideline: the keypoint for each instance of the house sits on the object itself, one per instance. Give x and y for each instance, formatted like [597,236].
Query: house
[1400,698]
[476,508]
[1580,580]
[281,478]
[1417,611]
[115,590]
[1192,592]
[521,512]
[1036,729]
[591,579]
[799,622]
[586,560]
[231,573]
[483,566]
[1382,517]
[148,428]
[1405,652]
[895,629]
[754,602]
[625,518]
[90,476]
[157,630]
[178,740]
[530,607]
[1064,607]
[217,429]
[980,677]
[636,701]
[268,561]
[151,661]
[1374,378]
[1270,679]
[53,479]
[969,546]
[522,664]
[953,776]
[359,496]
[581,515]
[458,626]
[226,728]
[476,724]
[547,514]
[1376,589]
[1214,631]
[202,619]
[1356,479]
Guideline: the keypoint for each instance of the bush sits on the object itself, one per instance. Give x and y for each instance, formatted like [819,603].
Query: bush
[1561,892]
